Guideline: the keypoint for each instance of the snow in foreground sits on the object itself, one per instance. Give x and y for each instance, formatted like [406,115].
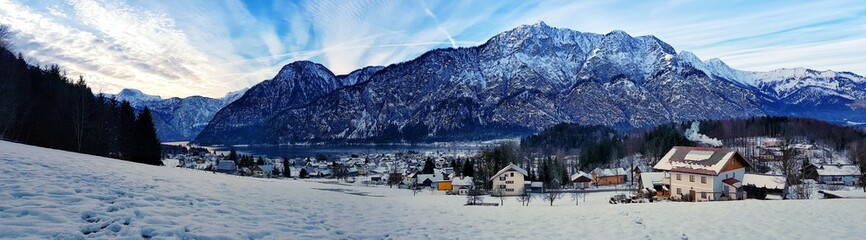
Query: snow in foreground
[55,194]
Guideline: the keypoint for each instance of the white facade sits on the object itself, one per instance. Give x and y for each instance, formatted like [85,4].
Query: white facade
[509,181]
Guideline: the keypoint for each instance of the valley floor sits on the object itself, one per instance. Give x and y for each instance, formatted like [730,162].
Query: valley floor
[54,194]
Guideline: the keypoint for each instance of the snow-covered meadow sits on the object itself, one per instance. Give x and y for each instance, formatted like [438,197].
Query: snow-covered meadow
[54,194]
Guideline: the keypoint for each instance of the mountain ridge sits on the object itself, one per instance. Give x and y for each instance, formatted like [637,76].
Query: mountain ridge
[520,81]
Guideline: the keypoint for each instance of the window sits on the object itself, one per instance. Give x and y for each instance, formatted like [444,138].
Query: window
[502,178]
[703,195]
[509,182]
[502,186]
[691,178]
[509,190]
[703,179]
[512,174]
[679,176]
[679,191]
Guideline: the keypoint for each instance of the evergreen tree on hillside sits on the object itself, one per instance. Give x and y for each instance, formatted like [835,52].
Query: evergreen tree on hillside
[147,143]
[127,129]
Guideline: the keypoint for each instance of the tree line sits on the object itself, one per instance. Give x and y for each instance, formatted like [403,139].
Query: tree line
[41,106]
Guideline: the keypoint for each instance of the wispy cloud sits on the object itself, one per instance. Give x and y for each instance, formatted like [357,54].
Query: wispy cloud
[181,48]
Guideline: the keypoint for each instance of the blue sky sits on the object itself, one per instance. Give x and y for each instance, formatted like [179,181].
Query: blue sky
[186,47]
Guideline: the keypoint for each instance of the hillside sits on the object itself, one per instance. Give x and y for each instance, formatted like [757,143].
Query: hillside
[519,82]
[75,195]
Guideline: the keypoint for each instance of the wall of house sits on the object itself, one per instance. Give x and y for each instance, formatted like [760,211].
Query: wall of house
[846,180]
[510,183]
[719,186]
[685,184]
[610,180]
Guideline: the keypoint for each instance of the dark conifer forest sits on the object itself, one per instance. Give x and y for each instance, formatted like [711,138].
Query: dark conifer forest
[40,105]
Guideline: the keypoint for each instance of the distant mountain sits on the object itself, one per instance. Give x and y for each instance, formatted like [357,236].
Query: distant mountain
[178,118]
[519,82]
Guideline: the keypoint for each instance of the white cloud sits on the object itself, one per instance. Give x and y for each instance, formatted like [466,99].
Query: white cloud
[181,48]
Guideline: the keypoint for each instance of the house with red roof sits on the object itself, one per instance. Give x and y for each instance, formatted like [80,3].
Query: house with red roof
[704,174]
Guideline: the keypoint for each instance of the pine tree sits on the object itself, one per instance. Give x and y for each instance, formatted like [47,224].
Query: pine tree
[127,131]
[148,147]
[428,166]
[233,155]
[304,173]
[287,170]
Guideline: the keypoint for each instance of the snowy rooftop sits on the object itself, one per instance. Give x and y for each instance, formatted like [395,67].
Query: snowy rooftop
[510,166]
[838,170]
[579,174]
[764,181]
[649,179]
[607,172]
[700,160]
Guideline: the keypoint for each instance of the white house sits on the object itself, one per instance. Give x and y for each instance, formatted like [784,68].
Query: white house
[839,174]
[702,174]
[509,181]
[461,186]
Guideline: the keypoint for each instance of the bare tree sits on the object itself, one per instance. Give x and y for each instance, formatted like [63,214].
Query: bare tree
[788,165]
[857,155]
[474,197]
[524,198]
[551,196]
[577,195]
[500,193]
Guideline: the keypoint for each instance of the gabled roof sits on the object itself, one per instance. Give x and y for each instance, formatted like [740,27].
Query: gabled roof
[838,170]
[266,168]
[700,160]
[650,179]
[731,181]
[465,181]
[510,166]
[607,172]
[226,165]
[580,174]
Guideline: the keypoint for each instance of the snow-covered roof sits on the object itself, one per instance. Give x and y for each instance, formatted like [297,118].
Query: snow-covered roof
[536,184]
[465,181]
[266,168]
[432,177]
[699,160]
[764,181]
[838,170]
[510,166]
[607,172]
[649,179]
[226,165]
[579,174]
[844,194]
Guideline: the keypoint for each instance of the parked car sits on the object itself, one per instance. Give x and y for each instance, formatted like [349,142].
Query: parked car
[621,198]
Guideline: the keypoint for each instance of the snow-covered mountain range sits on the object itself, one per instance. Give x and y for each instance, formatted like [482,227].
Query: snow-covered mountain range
[178,118]
[521,81]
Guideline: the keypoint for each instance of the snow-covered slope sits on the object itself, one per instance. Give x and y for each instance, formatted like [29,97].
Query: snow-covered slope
[55,194]
[178,118]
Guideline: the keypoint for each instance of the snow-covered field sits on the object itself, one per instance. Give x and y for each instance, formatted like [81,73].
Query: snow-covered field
[55,194]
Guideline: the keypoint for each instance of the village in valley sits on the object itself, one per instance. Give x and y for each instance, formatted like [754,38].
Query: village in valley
[766,169]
